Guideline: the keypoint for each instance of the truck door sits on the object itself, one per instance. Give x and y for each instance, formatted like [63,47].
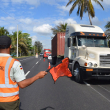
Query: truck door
[74,48]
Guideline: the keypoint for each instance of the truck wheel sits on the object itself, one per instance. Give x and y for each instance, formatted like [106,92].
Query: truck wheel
[77,73]
[53,60]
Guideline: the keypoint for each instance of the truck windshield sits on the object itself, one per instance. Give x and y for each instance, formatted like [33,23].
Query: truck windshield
[46,50]
[92,42]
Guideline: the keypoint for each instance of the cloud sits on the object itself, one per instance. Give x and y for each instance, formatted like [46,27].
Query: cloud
[11,28]
[30,2]
[34,38]
[96,21]
[64,8]
[7,18]
[31,8]
[69,21]
[26,21]
[43,29]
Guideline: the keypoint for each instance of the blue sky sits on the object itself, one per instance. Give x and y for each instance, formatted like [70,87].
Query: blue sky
[37,17]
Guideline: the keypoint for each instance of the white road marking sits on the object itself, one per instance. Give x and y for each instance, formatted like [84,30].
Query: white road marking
[97,91]
[104,88]
[27,73]
[30,69]
[86,83]
[37,62]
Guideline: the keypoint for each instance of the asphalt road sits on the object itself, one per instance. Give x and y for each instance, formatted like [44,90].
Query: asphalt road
[65,94]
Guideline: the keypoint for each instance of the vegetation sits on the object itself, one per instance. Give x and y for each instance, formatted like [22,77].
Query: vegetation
[25,47]
[107,26]
[39,46]
[83,7]
[59,28]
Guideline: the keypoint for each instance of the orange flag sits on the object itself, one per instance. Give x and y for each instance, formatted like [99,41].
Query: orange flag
[61,70]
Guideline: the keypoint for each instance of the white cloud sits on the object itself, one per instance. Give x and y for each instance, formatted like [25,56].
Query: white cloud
[34,38]
[69,21]
[11,28]
[96,21]
[30,2]
[26,21]
[31,8]
[64,8]
[43,29]
[7,18]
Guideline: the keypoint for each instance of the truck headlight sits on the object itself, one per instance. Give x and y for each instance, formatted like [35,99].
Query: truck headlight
[90,64]
[95,65]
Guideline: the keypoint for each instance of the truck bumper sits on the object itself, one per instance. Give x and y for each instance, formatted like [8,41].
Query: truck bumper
[97,73]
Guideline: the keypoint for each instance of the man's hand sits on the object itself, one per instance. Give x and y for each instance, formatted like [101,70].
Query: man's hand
[41,74]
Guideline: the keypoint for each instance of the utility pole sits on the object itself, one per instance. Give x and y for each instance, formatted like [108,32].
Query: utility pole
[17,40]
[34,48]
[37,47]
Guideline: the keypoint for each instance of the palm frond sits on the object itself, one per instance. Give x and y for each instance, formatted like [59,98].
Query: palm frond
[107,26]
[91,9]
[82,9]
[73,6]
[70,1]
[99,3]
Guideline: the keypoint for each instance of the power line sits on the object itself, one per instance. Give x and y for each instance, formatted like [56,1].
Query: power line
[10,15]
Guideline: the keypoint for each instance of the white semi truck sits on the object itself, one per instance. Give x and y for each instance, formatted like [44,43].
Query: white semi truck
[88,52]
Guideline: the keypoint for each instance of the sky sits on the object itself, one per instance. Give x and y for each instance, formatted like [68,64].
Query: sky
[37,17]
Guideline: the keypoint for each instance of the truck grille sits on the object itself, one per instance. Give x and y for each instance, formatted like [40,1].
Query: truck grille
[105,60]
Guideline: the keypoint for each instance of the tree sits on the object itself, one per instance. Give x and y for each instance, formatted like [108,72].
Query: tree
[107,26]
[23,43]
[59,28]
[3,31]
[38,46]
[83,7]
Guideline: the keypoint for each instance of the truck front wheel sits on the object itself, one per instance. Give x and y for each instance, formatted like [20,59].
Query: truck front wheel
[77,73]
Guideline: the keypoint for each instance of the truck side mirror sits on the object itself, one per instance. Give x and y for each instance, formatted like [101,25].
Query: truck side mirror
[109,43]
[68,42]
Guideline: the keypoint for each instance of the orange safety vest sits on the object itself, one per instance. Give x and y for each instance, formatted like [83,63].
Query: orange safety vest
[9,90]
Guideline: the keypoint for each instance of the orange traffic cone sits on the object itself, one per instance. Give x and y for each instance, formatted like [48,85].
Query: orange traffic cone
[44,59]
[49,66]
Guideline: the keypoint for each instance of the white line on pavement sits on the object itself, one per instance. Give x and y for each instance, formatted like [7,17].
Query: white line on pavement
[86,83]
[27,73]
[104,88]
[37,62]
[30,69]
[97,91]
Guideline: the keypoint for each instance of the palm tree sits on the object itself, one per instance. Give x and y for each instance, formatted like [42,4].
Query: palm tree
[83,7]
[22,43]
[107,26]
[3,31]
[59,28]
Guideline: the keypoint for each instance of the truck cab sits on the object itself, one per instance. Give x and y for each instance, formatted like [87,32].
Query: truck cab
[86,47]
[47,52]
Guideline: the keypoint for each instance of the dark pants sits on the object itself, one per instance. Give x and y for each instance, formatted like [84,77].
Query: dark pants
[10,105]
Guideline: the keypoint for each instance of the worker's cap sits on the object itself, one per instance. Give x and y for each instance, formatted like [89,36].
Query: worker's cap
[5,42]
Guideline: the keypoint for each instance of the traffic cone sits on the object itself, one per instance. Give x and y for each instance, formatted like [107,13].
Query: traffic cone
[49,66]
[44,59]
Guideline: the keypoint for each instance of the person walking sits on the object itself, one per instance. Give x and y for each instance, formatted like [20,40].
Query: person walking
[12,77]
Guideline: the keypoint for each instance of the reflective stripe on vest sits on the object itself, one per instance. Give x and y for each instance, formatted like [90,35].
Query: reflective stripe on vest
[7,85]
[8,94]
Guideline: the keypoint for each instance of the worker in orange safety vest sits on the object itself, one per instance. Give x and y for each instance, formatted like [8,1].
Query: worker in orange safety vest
[12,77]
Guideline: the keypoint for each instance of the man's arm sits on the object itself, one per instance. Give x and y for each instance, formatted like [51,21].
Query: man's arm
[27,82]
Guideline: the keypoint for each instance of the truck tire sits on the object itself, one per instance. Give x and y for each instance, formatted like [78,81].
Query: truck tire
[77,73]
[54,60]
